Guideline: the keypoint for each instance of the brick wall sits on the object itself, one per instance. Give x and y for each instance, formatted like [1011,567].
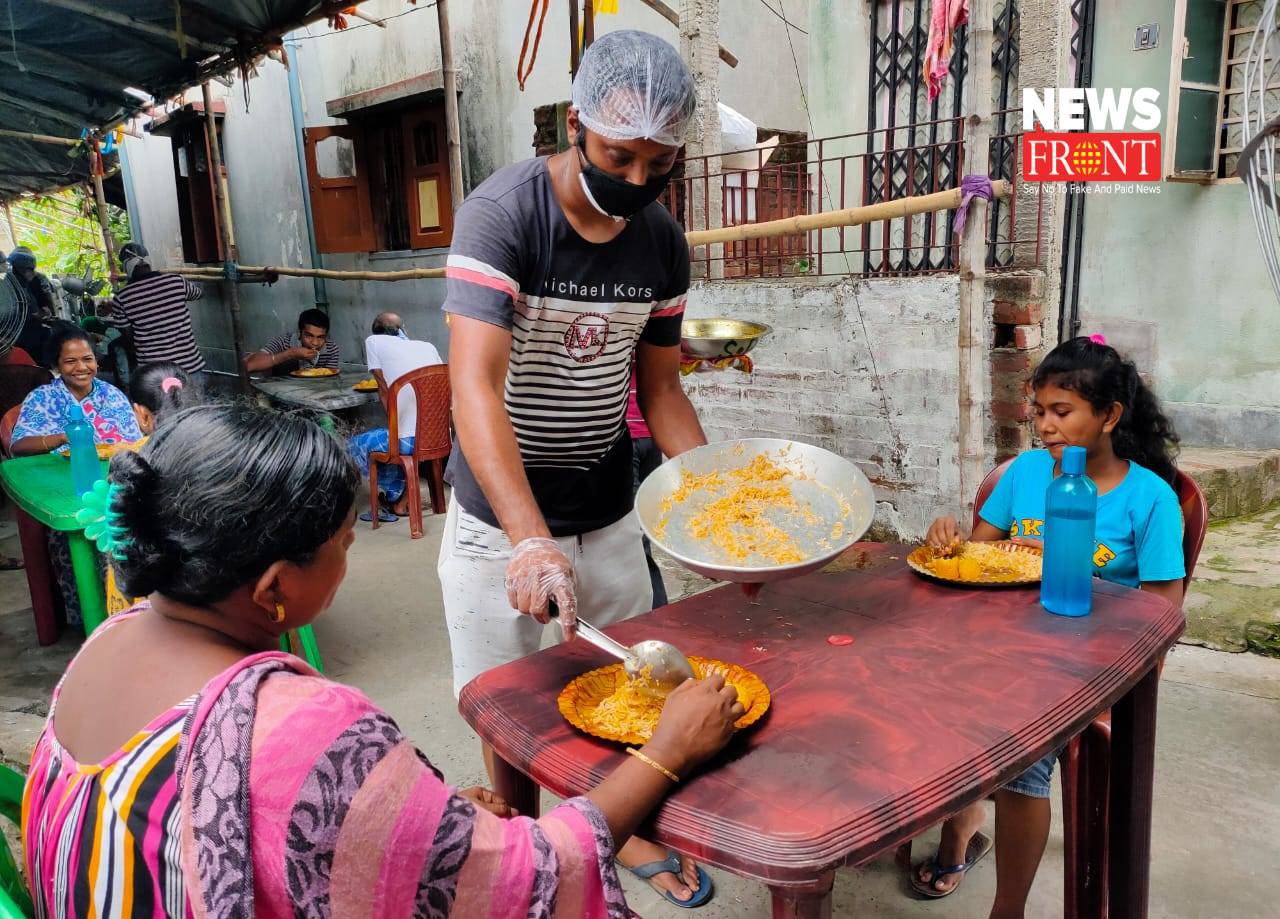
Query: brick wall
[544,129]
[1020,340]
[843,350]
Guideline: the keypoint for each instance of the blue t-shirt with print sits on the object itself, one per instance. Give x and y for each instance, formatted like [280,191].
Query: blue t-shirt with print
[1139,526]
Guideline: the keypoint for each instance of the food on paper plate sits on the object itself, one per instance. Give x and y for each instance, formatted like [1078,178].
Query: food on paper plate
[609,704]
[979,563]
[106,451]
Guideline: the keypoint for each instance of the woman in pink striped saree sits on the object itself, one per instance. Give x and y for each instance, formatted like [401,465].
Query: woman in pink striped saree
[256,787]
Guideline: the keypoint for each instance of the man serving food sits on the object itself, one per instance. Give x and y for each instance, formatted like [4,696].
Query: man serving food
[562,269]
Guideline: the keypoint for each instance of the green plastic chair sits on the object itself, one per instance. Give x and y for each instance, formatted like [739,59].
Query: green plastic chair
[301,642]
[15,901]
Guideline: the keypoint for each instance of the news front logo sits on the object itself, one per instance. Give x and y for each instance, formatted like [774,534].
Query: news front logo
[1056,148]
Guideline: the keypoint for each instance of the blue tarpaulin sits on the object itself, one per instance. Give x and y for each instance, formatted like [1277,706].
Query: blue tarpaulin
[65,64]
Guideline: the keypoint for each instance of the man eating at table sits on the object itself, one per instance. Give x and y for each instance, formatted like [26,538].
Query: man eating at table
[562,269]
[310,346]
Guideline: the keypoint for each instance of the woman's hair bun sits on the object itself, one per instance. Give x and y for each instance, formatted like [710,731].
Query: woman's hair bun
[220,493]
[142,559]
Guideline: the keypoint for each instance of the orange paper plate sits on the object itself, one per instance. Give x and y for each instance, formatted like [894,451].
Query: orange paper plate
[920,557]
[579,699]
[106,451]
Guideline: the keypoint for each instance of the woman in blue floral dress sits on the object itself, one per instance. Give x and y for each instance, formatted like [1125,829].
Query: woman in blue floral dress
[42,425]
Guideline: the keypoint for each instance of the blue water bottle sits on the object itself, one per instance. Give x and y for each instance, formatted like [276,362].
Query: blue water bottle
[85,468]
[1070,513]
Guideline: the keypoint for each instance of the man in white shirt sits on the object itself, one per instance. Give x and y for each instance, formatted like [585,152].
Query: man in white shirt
[391,354]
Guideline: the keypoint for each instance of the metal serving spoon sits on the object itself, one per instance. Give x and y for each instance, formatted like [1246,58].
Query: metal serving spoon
[658,664]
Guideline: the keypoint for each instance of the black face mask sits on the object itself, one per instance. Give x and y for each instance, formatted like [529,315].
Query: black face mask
[612,196]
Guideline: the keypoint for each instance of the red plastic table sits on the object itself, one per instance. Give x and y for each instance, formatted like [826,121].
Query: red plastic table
[944,695]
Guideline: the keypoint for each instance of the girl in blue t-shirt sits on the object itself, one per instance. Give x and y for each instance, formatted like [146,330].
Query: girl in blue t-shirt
[1086,395]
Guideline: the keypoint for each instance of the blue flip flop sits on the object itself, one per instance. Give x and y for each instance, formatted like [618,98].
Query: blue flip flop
[977,850]
[384,516]
[671,864]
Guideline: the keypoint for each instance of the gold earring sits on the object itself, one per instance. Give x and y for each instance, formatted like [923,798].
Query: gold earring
[279,616]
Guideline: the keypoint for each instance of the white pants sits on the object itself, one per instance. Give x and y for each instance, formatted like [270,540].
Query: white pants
[610,576]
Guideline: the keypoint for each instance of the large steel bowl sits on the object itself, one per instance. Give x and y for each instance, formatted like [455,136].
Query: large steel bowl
[714,339]
[833,473]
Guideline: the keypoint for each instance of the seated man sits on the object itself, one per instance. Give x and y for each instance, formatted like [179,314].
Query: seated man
[391,354]
[308,347]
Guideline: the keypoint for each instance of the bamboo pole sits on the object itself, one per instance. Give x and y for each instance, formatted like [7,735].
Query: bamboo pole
[224,231]
[588,24]
[407,274]
[40,138]
[107,242]
[972,344]
[849,217]
[372,20]
[573,39]
[452,130]
[673,17]
[35,219]
[8,217]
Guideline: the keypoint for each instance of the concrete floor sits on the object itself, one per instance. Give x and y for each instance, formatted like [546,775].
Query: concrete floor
[1237,582]
[1217,813]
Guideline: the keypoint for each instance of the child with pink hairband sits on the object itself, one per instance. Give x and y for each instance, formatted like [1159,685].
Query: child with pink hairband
[161,389]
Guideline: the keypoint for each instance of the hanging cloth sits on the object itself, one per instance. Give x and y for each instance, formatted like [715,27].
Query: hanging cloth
[945,17]
[338,20]
[522,72]
[971,187]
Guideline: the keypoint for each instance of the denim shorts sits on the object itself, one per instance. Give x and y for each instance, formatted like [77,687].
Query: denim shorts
[1034,783]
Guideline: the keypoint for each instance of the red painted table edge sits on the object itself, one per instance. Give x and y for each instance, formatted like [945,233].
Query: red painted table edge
[792,863]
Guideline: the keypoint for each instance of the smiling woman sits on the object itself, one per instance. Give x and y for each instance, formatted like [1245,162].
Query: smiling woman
[42,422]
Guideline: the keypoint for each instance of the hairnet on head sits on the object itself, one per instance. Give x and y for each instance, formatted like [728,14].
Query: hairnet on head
[633,85]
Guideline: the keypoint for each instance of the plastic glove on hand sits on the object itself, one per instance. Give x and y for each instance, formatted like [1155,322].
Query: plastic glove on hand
[537,572]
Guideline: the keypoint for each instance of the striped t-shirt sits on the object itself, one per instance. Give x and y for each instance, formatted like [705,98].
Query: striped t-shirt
[329,355]
[576,311]
[155,308]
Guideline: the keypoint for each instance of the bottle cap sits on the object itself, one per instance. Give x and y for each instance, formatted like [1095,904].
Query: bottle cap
[1073,460]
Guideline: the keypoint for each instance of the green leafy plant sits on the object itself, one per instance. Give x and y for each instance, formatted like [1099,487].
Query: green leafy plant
[62,230]
[1263,637]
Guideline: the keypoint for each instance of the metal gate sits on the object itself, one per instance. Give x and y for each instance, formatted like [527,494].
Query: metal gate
[915,147]
[1082,22]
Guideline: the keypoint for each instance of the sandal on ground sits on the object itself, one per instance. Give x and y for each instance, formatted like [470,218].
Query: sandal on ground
[671,865]
[978,848]
[9,563]
[384,516]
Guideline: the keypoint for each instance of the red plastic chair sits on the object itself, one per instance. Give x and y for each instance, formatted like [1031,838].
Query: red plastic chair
[7,424]
[17,381]
[431,441]
[18,357]
[1086,762]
